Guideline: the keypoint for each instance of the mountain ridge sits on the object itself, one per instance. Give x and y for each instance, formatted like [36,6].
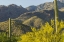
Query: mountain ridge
[11,11]
[46,6]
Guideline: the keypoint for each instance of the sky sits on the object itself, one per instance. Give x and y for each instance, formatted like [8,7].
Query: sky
[23,3]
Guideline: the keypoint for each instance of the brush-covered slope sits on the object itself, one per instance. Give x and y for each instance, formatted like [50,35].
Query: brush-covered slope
[45,15]
[33,21]
[17,28]
[35,18]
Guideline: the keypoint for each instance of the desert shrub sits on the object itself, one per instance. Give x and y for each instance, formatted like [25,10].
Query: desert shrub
[46,33]
[5,38]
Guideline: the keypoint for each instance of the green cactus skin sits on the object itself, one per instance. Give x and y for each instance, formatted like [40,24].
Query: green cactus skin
[56,14]
[10,29]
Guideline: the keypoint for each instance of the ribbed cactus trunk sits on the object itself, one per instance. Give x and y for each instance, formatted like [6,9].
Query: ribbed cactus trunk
[56,14]
[10,28]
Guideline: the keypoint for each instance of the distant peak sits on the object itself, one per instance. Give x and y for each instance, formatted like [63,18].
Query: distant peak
[62,1]
[12,5]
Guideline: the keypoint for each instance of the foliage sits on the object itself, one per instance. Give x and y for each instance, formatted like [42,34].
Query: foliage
[5,38]
[33,21]
[46,33]
[17,28]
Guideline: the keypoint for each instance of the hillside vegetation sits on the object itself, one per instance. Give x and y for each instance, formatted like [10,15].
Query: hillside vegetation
[34,22]
[41,23]
[17,28]
[42,16]
[46,33]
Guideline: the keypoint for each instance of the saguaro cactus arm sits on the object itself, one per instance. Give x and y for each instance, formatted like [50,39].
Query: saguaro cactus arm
[9,27]
[56,13]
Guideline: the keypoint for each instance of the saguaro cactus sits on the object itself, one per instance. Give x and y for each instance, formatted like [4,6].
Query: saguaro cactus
[56,13]
[9,28]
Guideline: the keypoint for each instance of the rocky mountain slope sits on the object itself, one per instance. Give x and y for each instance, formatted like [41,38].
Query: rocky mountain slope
[10,11]
[14,11]
[17,28]
[32,16]
[38,17]
[45,6]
